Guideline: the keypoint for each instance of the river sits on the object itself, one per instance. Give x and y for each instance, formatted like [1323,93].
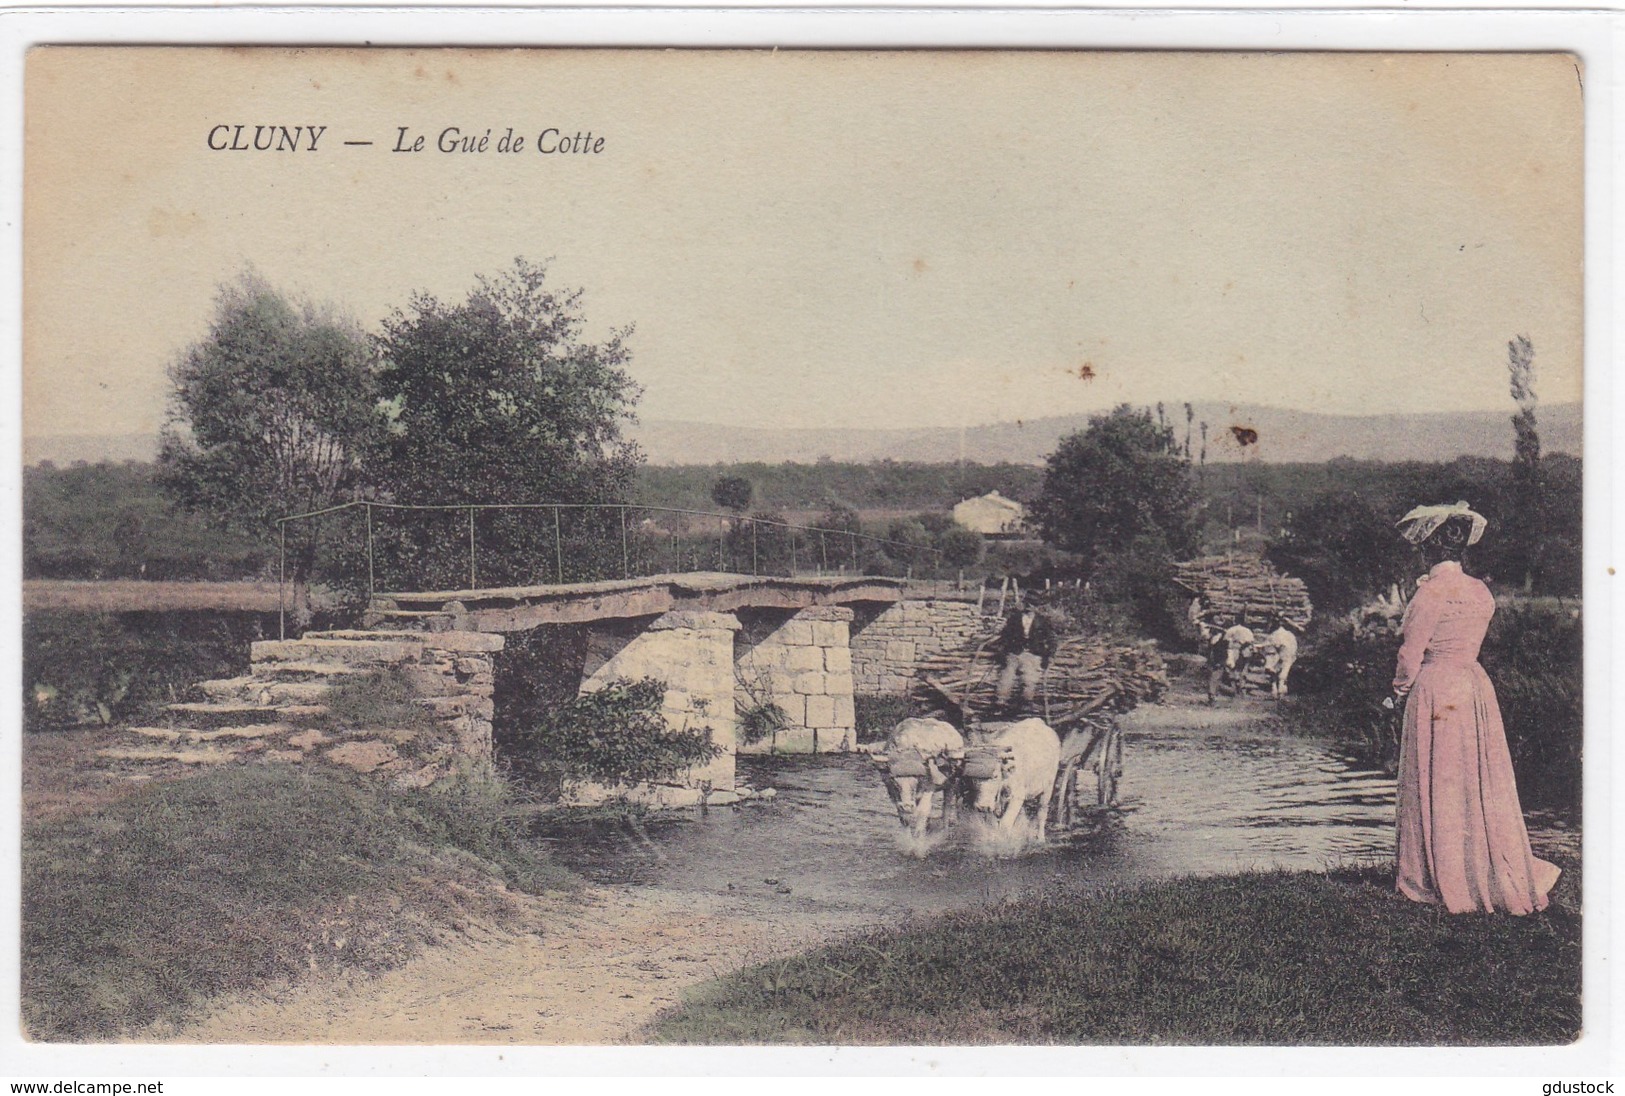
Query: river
[1205,790]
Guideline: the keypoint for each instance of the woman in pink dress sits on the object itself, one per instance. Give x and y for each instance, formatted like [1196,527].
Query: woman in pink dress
[1461,837]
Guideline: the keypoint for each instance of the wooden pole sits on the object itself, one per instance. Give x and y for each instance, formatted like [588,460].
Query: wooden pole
[558,545]
[281,579]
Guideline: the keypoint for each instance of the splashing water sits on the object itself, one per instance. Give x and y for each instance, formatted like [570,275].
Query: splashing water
[921,846]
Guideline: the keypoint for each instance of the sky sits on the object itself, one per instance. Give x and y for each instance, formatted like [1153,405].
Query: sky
[836,239]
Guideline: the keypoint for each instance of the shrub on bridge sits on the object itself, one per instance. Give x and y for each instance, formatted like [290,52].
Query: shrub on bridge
[617,735]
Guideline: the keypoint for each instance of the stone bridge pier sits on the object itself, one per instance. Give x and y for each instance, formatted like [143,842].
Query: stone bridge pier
[716,665]
[801,662]
[692,651]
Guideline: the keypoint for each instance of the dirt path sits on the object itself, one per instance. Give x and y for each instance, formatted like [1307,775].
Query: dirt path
[598,968]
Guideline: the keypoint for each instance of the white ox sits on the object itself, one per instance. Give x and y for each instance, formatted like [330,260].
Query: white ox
[1011,765]
[1227,649]
[1280,650]
[921,759]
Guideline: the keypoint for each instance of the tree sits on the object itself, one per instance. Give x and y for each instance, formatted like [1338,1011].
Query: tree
[1119,481]
[270,415]
[732,493]
[1528,500]
[499,399]
[960,547]
[1344,549]
[908,543]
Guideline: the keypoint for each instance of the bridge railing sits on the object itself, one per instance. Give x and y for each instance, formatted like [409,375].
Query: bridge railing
[371,545]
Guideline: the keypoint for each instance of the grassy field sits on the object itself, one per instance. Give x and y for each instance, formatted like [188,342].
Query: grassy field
[145,907]
[136,595]
[1268,958]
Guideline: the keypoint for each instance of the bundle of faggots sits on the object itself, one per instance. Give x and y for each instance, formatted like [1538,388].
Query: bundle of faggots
[1243,589]
[1086,681]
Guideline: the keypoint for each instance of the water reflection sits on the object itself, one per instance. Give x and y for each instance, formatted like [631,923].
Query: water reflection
[1196,800]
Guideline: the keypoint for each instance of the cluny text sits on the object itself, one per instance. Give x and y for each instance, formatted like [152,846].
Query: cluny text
[551,141]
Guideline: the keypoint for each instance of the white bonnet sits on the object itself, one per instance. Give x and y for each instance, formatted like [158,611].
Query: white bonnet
[1420,523]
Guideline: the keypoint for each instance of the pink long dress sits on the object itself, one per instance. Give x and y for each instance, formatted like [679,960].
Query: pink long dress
[1461,836]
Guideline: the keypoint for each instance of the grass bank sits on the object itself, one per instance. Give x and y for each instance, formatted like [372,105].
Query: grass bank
[1267,958]
[142,911]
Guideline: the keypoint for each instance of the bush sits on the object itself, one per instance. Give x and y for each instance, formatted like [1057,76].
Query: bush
[960,547]
[615,735]
[103,668]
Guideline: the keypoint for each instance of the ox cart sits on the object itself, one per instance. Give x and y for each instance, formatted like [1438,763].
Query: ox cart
[1086,685]
[1244,591]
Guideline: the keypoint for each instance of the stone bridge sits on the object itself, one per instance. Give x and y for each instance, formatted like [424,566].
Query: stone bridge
[715,639]
[719,641]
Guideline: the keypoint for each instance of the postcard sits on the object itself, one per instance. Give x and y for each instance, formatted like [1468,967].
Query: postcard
[557,547]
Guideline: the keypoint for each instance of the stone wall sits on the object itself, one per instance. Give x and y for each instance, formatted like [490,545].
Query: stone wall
[802,663]
[887,648]
[693,653]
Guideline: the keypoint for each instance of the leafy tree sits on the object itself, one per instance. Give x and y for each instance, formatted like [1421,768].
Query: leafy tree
[960,547]
[270,415]
[1120,481]
[732,493]
[764,543]
[500,399]
[909,543]
[1344,549]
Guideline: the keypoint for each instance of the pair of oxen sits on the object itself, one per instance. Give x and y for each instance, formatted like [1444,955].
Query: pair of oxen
[999,770]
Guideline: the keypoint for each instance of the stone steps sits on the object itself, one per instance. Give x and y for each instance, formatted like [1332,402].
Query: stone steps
[156,755]
[412,620]
[216,715]
[306,671]
[481,642]
[257,690]
[335,648]
[183,734]
[274,712]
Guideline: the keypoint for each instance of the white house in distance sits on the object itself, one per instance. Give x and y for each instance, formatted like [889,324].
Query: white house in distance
[991,515]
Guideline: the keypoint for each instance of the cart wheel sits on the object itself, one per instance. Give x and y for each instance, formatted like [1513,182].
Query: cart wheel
[1111,768]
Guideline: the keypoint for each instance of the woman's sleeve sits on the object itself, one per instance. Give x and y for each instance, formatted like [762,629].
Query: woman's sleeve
[1420,617]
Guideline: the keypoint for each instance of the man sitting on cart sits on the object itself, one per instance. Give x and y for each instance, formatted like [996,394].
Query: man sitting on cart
[1025,647]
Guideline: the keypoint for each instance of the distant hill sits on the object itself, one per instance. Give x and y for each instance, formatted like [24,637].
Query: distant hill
[1282,436]
[65,449]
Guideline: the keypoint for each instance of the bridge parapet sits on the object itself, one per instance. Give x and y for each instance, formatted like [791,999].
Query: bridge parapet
[521,608]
